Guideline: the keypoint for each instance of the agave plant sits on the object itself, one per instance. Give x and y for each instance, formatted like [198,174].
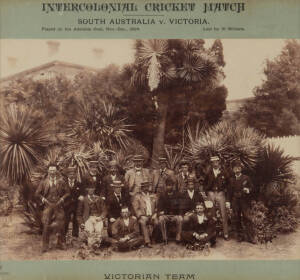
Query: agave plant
[99,123]
[23,138]
[32,219]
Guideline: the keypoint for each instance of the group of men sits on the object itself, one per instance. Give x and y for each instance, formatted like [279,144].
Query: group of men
[144,206]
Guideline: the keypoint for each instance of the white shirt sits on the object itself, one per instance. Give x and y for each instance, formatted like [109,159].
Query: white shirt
[238,176]
[148,204]
[113,177]
[200,219]
[118,197]
[52,181]
[71,183]
[126,222]
[191,194]
[216,172]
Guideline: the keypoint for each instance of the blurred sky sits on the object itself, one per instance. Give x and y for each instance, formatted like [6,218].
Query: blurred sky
[244,58]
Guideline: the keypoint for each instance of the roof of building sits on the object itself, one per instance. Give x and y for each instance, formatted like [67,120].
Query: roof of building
[48,65]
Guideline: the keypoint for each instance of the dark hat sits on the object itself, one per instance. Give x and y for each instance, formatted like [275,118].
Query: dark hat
[138,157]
[117,184]
[145,184]
[91,186]
[236,163]
[71,170]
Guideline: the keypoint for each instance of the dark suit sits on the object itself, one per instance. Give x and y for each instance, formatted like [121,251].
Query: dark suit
[187,204]
[107,180]
[217,190]
[114,205]
[140,209]
[207,227]
[120,230]
[70,206]
[240,200]
[168,212]
[52,196]
[159,179]
[91,206]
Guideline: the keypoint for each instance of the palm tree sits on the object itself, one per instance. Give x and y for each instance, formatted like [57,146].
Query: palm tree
[23,139]
[164,66]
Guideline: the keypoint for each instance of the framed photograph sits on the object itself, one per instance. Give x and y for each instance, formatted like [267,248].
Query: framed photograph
[149,139]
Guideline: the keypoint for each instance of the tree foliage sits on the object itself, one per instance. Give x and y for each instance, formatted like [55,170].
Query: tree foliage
[275,110]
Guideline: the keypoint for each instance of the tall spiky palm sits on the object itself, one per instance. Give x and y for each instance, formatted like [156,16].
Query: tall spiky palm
[163,66]
[23,139]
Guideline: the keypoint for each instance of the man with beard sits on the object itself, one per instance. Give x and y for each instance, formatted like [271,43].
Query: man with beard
[168,211]
[136,175]
[144,205]
[116,199]
[52,193]
[160,175]
[107,181]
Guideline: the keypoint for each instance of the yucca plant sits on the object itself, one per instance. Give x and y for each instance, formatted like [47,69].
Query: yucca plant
[32,218]
[24,137]
[174,155]
[53,156]
[79,157]
[272,169]
[99,123]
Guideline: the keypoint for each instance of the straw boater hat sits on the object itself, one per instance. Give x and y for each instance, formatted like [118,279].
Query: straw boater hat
[112,163]
[117,184]
[138,157]
[162,158]
[214,158]
[183,162]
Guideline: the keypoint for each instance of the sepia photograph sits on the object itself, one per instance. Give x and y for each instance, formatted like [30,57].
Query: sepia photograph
[115,149]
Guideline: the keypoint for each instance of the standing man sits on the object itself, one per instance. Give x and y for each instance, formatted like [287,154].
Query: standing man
[144,205]
[52,193]
[91,214]
[216,189]
[201,227]
[71,202]
[182,176]
[113,175]
[126,232]
[240,197]
[136,175]
[168,211]
[116,199]
[160,175]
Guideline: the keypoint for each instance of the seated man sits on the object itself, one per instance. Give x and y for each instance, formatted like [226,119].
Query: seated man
[189,198]
[125,232]
[114,202]
[144,206]
[201,227]
[91,214]
[168,211]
